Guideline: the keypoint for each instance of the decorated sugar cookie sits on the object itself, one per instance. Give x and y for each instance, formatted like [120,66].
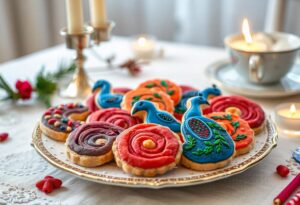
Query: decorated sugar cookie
[241,106]
[167,86]
[161,99]
[116,116]
[207,93]
[147,150]
[186,88]
[121,90]
[57,122]
[207,144]
[104,98]
[147,111]
[239,130]
[90,145]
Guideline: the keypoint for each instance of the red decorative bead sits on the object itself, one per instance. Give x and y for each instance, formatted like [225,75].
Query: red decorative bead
[40,184]
[56,183]
[70,123]
[48,112]
[282,170]
[57,111]
[51,121]
[48,187]
[70,105]
[48,184]
[3,136]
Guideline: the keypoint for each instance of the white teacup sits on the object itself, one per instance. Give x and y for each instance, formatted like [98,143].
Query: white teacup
[264,65]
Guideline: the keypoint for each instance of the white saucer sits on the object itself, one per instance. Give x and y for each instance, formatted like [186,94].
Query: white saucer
[225,76]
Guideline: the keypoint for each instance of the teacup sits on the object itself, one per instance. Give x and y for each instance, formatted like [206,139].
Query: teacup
[267,65]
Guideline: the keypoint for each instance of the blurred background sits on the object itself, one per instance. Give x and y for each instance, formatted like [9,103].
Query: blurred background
[30,25]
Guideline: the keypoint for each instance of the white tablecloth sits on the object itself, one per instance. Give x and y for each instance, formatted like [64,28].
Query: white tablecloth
[21,167]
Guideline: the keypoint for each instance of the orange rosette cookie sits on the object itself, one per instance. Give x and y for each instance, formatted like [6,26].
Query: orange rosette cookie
[167,86]
[161,99]
[239,130]
[147,150]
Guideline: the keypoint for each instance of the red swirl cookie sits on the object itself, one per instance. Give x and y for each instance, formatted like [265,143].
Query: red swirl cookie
[90,144]
[147,150]
[167,86]
[237,128]
[115,116]
[57,122]
[161,99]
[241,106]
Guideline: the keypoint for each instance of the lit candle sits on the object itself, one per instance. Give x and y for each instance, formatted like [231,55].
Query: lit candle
[143,47]
[248,44]
[98,13]
[74,16]
[288,116]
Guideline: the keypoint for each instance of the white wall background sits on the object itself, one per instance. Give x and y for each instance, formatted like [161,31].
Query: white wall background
[30,25]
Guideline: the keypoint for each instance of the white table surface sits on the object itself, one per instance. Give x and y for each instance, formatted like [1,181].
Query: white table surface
[21,167]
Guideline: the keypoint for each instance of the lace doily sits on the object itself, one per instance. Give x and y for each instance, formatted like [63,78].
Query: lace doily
[23,164]
[293,166]
[10,194]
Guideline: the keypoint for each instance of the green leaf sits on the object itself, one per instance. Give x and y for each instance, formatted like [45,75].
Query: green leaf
[190,143]
[149,99]
[198,152]
[235,125]
[170,92]
[136,98]
[208,143]
[228,117]
[240,137]
[164,83]
[150,85]
[157,95]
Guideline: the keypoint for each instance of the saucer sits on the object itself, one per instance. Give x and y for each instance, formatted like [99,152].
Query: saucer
[225,76]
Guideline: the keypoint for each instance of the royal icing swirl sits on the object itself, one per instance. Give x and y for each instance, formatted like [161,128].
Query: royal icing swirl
[246,109]
[116,116]
[93,139]
[148,146]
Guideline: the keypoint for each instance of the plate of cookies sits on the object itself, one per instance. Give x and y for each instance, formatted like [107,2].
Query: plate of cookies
[158,135]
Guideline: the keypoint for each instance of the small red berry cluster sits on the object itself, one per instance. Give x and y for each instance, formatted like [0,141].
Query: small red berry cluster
[48,184]
[3,136]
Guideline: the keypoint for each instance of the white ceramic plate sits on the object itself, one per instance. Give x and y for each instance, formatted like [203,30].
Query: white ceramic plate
[225,76]
[54,152]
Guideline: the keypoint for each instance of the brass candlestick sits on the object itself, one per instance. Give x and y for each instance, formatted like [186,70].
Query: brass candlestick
[79,87]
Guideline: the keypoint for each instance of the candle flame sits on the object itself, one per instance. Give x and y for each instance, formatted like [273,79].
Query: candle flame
[292,109]
[246,31]
[142,41]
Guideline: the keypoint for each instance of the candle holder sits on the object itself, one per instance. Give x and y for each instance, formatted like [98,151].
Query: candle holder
[79,87]
[287,119]
[103,34]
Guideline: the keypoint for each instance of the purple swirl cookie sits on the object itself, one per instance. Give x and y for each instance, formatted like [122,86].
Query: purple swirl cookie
[90,145]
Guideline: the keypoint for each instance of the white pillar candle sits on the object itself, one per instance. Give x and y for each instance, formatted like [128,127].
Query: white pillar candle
[74,16]
[98,13]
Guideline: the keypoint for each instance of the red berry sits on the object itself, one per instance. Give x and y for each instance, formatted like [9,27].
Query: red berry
[48,187]
[40,184]
[3,136]
[47,112]
[282,170]
[57,111]
[48,177]
[56,183]
[70,123]
[51,121]
[70,105]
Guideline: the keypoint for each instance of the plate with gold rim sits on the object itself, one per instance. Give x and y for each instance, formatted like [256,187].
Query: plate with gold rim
[54,152]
